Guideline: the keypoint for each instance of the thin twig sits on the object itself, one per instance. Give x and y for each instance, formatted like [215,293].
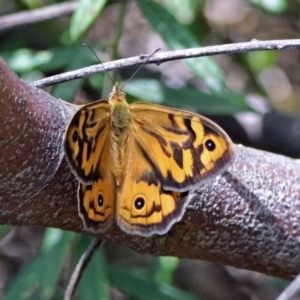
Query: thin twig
[161,57]
[38,15]
[85,258]
[292,290]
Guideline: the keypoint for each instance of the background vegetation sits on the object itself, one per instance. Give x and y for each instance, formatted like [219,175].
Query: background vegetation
[253,96]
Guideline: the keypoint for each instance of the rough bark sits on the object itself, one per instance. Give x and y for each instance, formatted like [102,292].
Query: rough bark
[248,218]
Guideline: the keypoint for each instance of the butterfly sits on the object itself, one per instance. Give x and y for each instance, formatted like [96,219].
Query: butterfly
[138,164]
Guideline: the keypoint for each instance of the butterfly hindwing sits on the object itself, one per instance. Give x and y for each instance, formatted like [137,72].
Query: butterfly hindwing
[97,204]
[143,206]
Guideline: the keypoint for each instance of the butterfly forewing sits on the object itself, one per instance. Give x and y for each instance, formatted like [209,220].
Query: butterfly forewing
[183,149]
[83,145]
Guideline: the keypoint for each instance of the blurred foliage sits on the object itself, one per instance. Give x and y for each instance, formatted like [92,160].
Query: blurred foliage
[273,6]
[210,85]
[84,16]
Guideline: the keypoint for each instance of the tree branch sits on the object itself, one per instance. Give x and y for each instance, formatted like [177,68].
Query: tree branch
[248,217]
[159,58]
[38,15]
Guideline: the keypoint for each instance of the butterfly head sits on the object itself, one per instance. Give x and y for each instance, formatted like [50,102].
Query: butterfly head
[117,97]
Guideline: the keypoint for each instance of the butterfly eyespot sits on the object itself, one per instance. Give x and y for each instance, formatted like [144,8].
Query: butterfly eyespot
[210,145]
[100,200]
[75,136]
[139,203]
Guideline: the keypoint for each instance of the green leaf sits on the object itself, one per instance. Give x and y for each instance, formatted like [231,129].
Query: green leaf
[168,265]
[38,280]
[32,3]
[56,252]
[29,64]
[25,60]
[184,11]
[260,60]
[4,230]
[139,284]
[79,57]
[273,6]
[52,237]
[176,36]
[187,97]
[84,16]
[94,282]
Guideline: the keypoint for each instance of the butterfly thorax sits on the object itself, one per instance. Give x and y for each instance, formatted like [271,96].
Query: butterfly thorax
[120,123]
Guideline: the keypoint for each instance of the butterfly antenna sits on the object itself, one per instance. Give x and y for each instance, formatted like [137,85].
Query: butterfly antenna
[158,49]
[100,62]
